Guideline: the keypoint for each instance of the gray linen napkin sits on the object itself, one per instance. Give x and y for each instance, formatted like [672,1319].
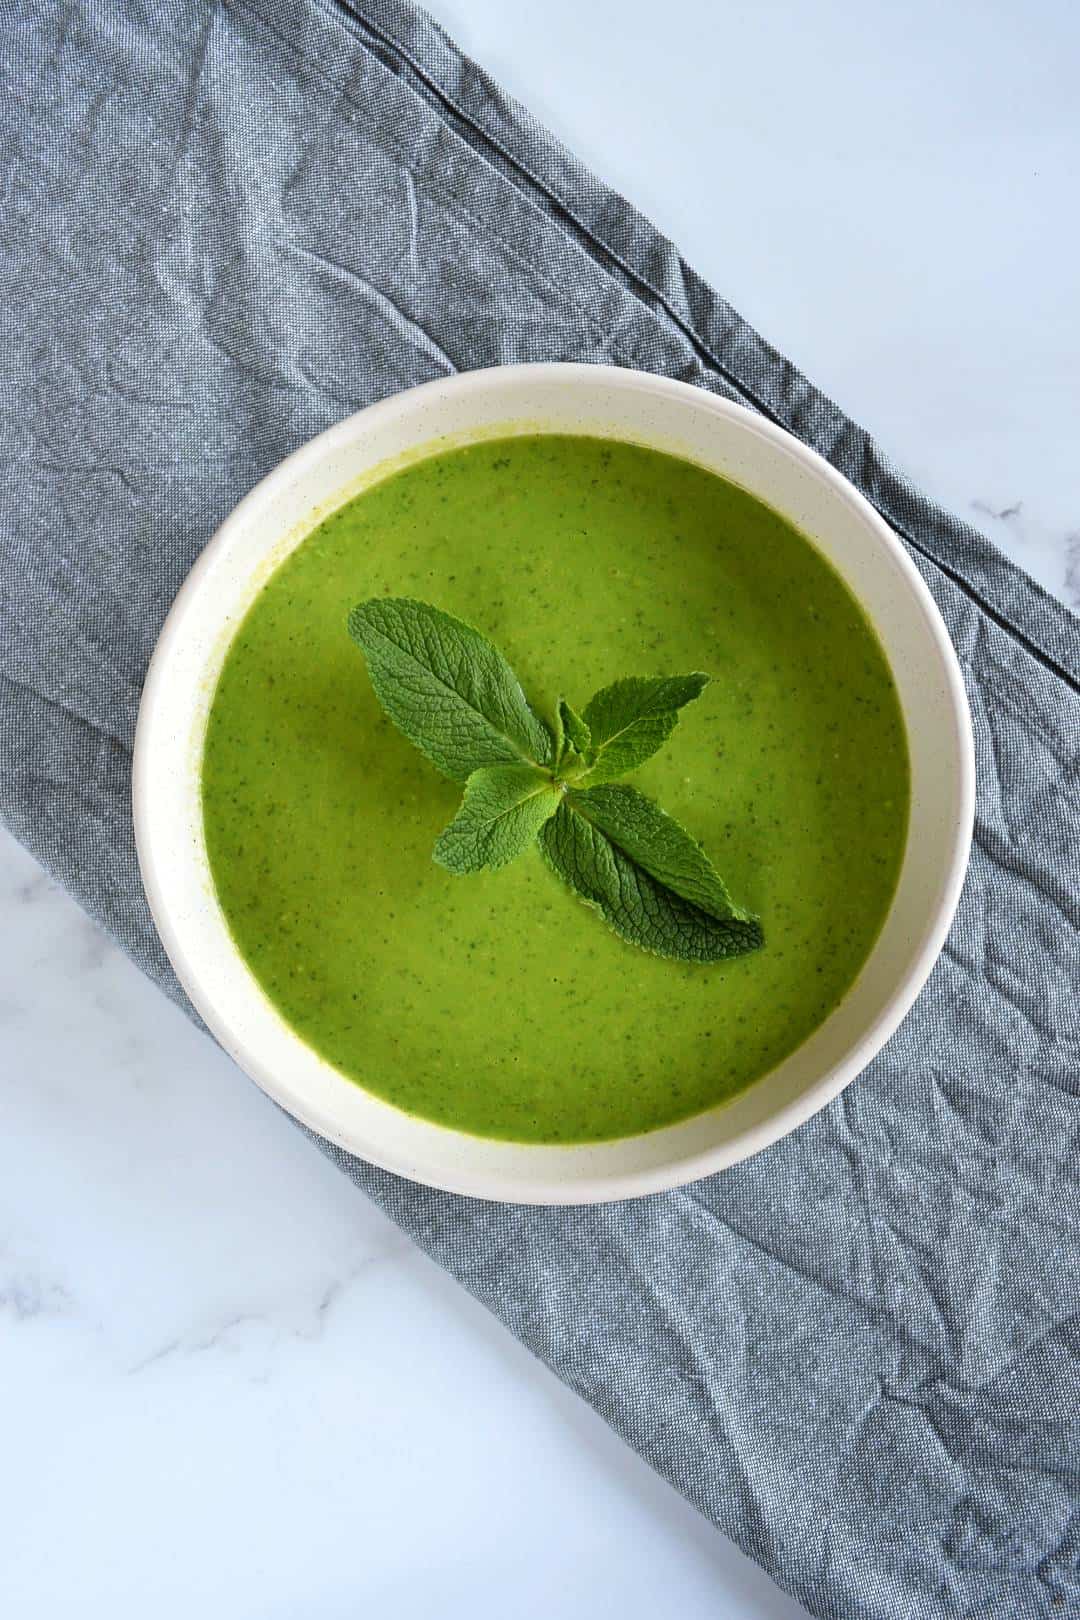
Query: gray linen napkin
[222,229]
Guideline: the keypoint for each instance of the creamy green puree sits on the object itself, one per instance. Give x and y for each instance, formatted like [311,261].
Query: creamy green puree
[499,1003]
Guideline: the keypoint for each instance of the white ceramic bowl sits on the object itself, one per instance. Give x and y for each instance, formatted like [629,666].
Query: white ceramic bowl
[610,403]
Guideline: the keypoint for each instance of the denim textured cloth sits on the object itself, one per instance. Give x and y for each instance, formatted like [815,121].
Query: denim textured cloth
[224,227]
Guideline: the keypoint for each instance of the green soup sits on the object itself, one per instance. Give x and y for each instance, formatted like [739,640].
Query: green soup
[500,1004]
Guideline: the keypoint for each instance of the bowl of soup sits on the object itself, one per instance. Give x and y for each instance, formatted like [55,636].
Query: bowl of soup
[488,1034]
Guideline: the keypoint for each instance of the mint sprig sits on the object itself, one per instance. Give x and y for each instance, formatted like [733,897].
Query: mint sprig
[453,694]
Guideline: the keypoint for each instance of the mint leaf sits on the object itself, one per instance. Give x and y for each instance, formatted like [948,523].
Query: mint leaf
[503,809]
[560,746]
[574,728]
[447,688]
[653,884]
[630,720]
[657,842]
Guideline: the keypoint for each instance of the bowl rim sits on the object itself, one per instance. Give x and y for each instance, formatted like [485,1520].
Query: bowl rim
[608,1185]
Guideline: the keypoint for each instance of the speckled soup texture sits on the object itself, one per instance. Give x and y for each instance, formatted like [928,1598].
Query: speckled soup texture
[499,1003]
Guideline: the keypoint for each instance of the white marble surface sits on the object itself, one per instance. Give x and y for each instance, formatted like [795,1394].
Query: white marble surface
[227,1386]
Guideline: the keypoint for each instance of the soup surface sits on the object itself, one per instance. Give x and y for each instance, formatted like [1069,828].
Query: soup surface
[500,1004]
